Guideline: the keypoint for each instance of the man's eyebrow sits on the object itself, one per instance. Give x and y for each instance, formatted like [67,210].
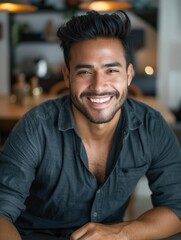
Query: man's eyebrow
[113,64]
[84,66]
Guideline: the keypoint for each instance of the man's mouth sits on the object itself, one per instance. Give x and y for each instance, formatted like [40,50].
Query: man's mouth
[100,100]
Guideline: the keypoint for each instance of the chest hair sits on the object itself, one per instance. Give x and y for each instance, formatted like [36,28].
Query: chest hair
[97,160]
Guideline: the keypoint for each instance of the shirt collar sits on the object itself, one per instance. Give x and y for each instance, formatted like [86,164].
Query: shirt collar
[65,118]
[132,115]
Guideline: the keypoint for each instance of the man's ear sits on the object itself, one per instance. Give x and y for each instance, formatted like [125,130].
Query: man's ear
[66,75]
[130,72]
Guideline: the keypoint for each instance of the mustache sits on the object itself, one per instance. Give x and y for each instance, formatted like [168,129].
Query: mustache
[98,94]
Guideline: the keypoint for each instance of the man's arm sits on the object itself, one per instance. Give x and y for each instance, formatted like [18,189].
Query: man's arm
[8,230]
[157,223]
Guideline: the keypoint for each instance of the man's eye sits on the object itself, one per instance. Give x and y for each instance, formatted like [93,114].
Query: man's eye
[84,72]
[113,71]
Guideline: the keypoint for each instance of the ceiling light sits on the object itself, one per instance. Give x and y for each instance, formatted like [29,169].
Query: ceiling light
[16,7]
[102,6]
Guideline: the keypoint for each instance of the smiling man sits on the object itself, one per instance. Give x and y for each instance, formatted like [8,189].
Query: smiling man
[69,167]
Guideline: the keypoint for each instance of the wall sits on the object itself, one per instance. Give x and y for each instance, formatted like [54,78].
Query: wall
[169,53]
[4,54]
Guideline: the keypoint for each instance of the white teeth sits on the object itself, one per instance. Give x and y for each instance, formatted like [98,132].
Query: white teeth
[100,100]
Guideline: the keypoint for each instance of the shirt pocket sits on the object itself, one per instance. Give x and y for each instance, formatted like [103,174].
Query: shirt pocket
[127,179]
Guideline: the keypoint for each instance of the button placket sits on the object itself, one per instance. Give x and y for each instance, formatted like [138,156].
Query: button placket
[96,207]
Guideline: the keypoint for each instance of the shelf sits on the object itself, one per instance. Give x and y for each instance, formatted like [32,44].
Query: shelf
[148,15]
[37,42]
[35,38]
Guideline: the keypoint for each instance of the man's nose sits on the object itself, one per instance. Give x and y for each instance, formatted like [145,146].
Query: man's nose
[98,82]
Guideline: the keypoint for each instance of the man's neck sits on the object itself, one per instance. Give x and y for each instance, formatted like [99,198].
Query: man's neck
[92,132]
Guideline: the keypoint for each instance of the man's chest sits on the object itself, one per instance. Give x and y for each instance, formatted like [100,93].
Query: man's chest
[97,161]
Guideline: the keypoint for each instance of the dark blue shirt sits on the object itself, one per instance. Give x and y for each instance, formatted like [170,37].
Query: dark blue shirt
[45,181]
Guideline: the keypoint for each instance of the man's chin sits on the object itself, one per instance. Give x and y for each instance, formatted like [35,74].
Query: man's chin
[99,119]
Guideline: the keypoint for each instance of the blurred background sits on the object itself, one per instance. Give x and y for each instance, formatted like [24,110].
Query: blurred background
[28,44]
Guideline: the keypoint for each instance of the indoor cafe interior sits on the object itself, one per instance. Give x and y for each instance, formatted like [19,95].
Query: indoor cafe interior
[31,61]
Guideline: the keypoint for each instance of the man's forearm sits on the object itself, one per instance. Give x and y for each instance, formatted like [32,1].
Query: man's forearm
[157,223]
[8,230]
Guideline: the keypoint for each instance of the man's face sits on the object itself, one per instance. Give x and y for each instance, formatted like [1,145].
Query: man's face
[98,78]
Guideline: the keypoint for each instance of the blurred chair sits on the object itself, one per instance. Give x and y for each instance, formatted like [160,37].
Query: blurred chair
[59,88]
[134,91]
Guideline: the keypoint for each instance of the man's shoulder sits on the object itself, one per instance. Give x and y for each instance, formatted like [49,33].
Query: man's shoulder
[140,108]
[139,113]
[47,109]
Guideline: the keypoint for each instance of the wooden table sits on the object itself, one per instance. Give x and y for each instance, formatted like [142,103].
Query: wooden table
[10,110]
[13,111]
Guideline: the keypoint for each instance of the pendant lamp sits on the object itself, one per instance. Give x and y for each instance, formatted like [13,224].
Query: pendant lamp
[103,6]
[16,7]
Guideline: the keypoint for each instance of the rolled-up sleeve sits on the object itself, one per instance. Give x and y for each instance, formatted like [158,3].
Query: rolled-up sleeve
[18,162]
[164,174]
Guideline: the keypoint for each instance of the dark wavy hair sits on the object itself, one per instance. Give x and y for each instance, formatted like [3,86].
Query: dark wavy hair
[93,25]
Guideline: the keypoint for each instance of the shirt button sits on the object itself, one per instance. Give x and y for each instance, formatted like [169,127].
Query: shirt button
[94,214]
[98,191]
